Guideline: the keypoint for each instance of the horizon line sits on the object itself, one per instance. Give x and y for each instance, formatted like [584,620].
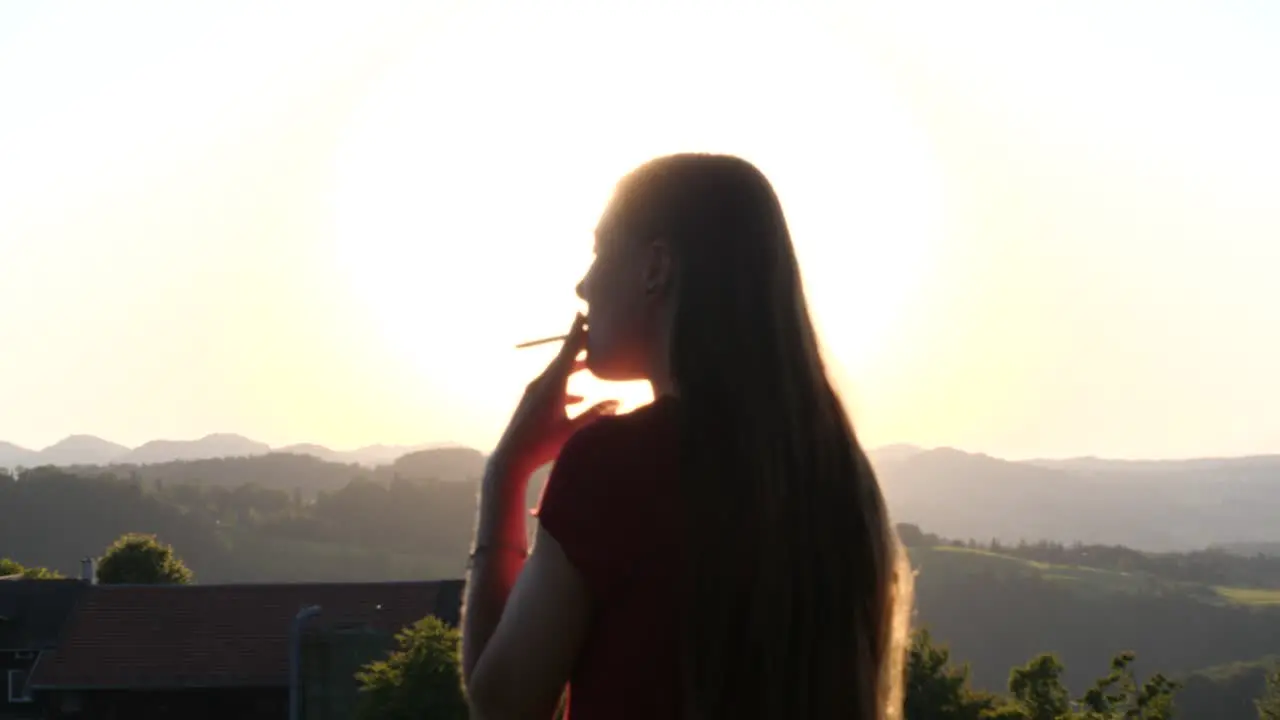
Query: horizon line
[452,444]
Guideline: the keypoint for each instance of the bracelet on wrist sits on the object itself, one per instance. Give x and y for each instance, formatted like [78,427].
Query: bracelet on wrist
[481,548]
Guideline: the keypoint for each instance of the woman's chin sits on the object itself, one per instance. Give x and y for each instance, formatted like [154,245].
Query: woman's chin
[604,370]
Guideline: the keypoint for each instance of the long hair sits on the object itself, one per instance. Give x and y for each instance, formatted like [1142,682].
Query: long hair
[797,590]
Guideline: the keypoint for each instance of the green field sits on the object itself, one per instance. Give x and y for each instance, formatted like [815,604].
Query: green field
[1249,596]
[944,563]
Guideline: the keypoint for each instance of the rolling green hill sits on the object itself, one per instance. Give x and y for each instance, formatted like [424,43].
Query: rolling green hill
[1180,613]
[948,562]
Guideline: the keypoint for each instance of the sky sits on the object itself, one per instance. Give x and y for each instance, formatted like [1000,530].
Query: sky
[1030,229]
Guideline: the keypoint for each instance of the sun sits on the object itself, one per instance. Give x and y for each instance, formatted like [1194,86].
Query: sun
[471,177]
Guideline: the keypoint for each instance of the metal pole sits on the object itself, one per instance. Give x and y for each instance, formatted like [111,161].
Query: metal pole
[295,659]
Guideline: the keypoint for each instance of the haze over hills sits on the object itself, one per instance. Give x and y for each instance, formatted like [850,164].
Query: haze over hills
[1157,505]
[210,446]
[85,450]
[91,450]
[1152,505]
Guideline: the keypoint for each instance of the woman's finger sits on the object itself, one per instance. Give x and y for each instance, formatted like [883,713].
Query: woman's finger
[575,343]
[566,362]
[595,412]
[573,399]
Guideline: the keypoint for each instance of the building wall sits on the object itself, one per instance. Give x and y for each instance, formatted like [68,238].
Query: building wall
[330,660]
[14,711]
[211,704]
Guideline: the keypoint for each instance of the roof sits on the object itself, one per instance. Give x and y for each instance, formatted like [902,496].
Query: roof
[33,612]
[174,636]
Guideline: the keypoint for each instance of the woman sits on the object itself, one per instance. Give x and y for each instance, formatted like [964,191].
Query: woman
[723,552]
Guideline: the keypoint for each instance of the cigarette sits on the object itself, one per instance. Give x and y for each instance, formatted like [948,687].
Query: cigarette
[542,341]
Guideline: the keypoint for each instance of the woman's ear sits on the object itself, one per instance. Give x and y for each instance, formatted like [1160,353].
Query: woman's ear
[657,266]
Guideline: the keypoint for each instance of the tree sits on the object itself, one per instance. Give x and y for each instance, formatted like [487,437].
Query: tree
[1038,687]
[139,559]
[1269,703]
[1117,695]
[938,690]
[10,567]
[420,679]
[911,535]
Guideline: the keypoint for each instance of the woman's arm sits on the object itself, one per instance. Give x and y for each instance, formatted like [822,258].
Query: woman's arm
[525,621]
[523,671]
[498,553]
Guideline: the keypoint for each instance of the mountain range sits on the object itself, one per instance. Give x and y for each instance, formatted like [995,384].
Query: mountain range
[90,450]
[1148,504]
[1157,505]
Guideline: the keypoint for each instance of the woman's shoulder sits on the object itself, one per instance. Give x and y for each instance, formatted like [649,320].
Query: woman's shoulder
[651,428]
[608,489]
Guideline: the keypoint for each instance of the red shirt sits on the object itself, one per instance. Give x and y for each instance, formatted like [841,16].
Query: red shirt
[611,503]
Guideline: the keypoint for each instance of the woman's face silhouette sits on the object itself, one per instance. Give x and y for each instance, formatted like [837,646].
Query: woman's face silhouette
[614,293]
[624,290]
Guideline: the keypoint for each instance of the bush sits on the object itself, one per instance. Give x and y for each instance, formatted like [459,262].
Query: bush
[419,680]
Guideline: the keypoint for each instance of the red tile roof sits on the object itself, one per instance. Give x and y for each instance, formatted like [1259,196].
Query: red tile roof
[166,636]
[33,613]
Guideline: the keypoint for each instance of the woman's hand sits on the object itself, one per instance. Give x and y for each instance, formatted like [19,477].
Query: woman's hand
[539,427]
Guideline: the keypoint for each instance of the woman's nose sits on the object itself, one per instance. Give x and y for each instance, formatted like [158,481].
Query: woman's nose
[579,289]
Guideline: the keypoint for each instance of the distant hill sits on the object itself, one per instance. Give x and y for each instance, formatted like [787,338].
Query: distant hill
[87,450]
[894,453]
[1158,505]
[209,446]
[1257,466]
[369,455]
[315,451]
[14,455]
[1174,505]
[386,454]
[459,463]
[81,450]
[302,473]
[1258,548]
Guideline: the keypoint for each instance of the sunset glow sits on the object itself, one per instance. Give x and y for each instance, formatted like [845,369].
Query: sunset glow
[494,221]
[333,226]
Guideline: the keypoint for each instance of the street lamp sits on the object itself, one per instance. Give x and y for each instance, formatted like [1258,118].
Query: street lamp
[295,658]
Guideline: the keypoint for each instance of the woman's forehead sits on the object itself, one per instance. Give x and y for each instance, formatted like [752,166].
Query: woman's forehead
[620,215]
[616,240]
[606,236]
[610,216]
[609,227]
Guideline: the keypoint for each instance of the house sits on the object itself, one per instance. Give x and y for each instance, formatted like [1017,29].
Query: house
[32,616]
[219,651]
